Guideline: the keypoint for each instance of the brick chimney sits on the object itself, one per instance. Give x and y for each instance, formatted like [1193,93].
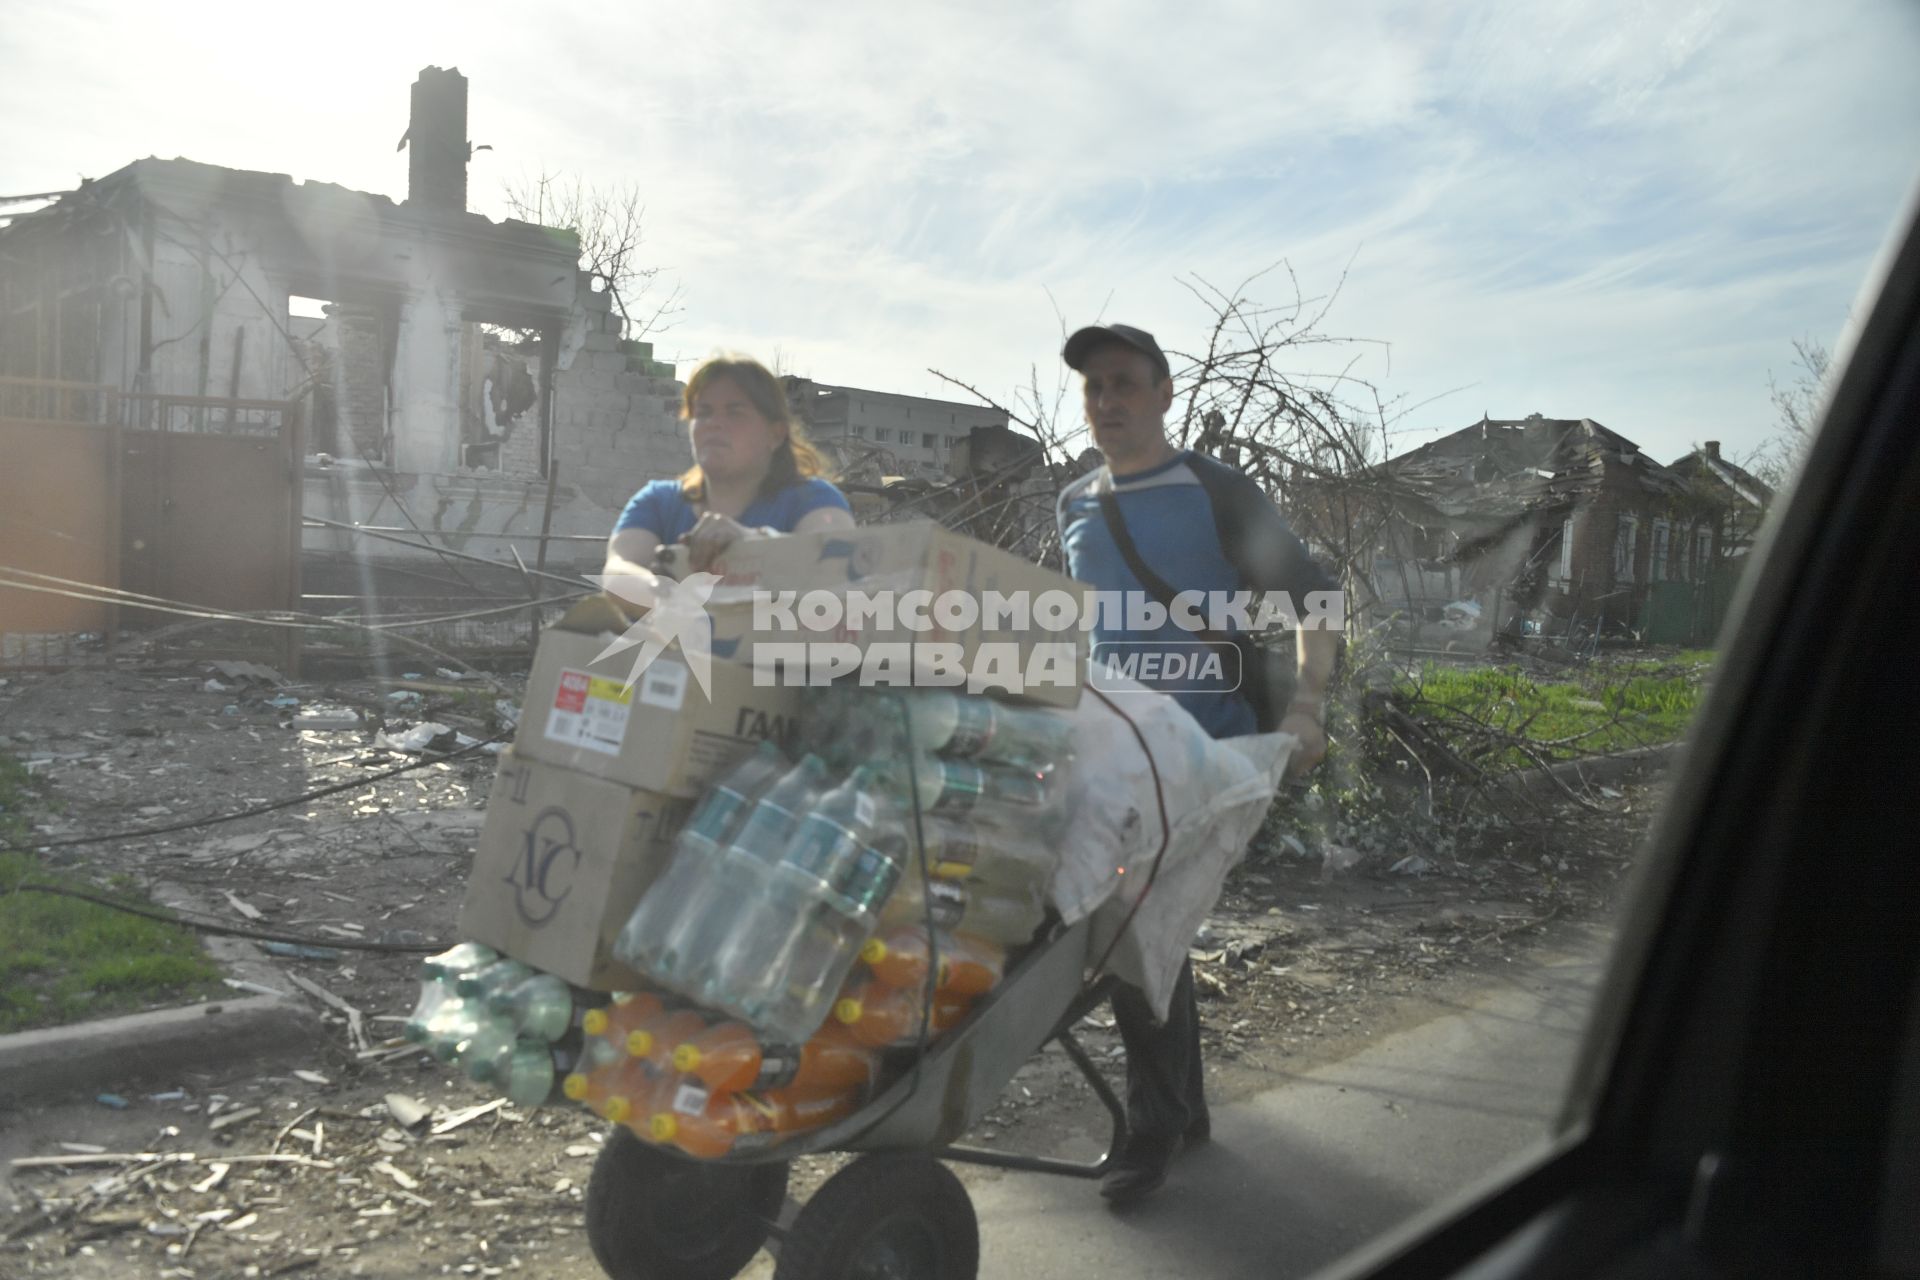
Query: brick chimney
[1713,450]
[437,142]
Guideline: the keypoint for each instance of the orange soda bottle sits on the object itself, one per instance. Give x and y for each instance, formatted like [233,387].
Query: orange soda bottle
[728,1057]
[594,1075]
[969,965]
[709,1125]
[654,1040]
[879,1016]
[973,966]
[627,1011]
[637,1096]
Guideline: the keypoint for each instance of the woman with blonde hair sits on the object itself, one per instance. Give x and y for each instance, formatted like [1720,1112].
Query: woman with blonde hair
[753,476]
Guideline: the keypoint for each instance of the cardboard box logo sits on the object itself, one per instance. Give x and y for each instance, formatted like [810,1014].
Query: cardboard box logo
[542,878]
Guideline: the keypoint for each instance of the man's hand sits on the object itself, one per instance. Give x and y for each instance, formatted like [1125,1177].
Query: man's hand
[1305,726]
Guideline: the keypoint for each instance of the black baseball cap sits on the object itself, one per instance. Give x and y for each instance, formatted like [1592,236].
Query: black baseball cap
[1081,345]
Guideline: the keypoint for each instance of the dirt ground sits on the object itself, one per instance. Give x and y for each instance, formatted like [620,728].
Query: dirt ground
[1301,962]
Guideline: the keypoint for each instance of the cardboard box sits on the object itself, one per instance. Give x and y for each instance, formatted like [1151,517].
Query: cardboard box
[899,558]
[663,734]
[563,860]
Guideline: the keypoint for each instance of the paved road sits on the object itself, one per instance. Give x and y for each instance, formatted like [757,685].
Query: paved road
[1300,1174]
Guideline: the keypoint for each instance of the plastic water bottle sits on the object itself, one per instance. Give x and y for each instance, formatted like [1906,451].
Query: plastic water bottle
[528,1077]
[451,963]
[483,982]
[713,823]
[438,974]
[729,1057]
[816,957]
[960,787]
[706,916]
[538,1008]
[975,728]
[778,899]
[961,906]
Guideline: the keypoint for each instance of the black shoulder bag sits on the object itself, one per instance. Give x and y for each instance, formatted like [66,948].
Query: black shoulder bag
[1266,675]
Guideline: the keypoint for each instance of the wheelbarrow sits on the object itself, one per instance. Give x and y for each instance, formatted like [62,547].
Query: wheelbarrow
[895,1211]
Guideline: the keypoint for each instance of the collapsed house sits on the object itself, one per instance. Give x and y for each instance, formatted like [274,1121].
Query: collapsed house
[465,380]
[1541,525]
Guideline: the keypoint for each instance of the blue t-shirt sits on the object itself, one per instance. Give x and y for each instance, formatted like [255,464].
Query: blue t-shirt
[1201,526]
[663,511]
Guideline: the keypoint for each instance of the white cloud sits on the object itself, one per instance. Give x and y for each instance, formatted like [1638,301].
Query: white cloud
[1625,211]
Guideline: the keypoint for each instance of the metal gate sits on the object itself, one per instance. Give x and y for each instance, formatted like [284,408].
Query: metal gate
[189,499]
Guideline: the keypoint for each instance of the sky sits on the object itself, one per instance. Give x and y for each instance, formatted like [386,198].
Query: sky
[1624,211]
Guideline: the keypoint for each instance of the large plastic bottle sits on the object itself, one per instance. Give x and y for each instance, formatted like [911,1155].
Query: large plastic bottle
[538,1008]
[600,1072]
[780,899]
[621,1015]
[456,960]
[969,966]
[652,1043]
[528,1077]
[438,974]
[707,916]
[949,787]
[483,982]
[810,968]
[728,1057]
[975,728]
[711,1125]
[880,1016]
[714,822]
[962,906]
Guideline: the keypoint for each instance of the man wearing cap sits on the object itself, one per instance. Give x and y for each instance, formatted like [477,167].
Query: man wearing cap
[1152,522]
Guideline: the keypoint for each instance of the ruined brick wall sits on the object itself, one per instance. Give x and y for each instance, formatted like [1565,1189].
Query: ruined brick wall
[613,430]
[520,450]
[360,383]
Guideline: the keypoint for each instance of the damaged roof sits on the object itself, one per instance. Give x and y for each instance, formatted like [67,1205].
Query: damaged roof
[1503,467]
[1749,488]
[329,241]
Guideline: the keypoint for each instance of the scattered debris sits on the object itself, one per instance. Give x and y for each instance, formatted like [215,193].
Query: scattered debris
[467,1116]
[228,1119]
[244,907]
[407,1112]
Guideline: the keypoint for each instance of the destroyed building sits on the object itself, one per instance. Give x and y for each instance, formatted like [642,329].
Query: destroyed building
[465,378]
[905,435]
[1557,522]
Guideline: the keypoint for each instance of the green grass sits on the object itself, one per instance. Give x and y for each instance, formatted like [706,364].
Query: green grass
[63,960]
[1606,707]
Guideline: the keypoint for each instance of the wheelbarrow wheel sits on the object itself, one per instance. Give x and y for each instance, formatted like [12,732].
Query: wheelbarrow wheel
[652,1215]
[896,1216]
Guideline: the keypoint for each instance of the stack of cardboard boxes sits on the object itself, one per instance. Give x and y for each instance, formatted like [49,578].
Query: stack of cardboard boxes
[584,810]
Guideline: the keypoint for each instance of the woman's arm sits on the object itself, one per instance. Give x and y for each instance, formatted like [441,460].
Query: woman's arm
[822,518]
[630,555]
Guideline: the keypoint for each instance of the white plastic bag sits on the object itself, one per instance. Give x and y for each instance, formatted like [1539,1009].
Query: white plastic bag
[1207,796]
